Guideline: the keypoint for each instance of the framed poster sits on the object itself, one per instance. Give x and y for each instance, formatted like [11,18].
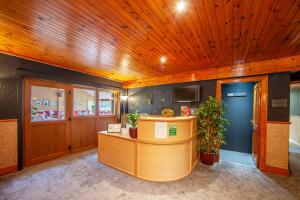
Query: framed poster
[114,128]
[46,102]
[53,103]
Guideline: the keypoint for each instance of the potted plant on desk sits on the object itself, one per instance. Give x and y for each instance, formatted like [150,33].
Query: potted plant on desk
[211,128]
[132,120]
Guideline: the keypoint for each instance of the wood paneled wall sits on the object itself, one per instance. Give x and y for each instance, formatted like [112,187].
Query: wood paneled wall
[255,68]
[8,146]
[123,39]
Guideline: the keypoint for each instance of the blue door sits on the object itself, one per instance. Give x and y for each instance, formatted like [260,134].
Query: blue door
[238,100]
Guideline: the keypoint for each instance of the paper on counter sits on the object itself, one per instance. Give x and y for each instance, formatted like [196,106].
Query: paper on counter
[161,130]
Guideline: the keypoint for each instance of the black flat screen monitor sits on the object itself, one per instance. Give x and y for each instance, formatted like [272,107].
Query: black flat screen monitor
[186,94]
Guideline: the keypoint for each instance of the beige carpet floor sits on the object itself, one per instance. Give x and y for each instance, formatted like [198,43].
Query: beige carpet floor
[82,177]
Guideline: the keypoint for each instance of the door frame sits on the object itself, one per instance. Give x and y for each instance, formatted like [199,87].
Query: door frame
[263,80]
[27,82]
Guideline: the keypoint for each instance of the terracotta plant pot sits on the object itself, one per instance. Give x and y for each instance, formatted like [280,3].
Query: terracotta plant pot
[217,157]
[207,158]
[133,132]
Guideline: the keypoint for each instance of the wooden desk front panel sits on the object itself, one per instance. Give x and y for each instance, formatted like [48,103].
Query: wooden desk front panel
[117,152]
[163,162]
[146,130]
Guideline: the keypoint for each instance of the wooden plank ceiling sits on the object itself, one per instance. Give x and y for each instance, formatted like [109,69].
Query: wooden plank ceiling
[124,39]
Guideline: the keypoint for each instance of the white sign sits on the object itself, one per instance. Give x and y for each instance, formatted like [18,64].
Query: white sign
[161,129]
[114,128]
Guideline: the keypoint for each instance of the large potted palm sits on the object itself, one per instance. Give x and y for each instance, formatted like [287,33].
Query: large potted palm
[211,128]
[132,119]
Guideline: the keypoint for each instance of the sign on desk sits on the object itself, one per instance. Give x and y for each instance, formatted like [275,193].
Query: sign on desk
[161,130]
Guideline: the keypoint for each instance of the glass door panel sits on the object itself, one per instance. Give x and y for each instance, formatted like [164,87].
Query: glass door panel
[84,102]
[47,104]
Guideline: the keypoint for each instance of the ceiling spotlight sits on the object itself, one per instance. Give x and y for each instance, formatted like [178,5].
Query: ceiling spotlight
[163,59]
[180,6]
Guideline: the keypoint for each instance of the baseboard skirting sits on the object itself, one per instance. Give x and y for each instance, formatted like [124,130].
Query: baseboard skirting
[275,170]
[8,170]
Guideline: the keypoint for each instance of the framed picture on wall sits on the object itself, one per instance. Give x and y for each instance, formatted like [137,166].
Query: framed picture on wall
[46,102]
[114,128]
[37,102]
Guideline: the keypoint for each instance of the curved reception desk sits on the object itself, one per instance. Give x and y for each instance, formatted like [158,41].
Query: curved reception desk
[164,150]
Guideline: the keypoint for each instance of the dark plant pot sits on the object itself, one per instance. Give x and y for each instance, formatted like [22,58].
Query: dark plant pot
[207,158]
[133,132]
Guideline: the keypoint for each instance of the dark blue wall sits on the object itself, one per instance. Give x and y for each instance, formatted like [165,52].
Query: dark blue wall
[13,69]
[239,112]
[161,97]
[12,72]
[279,88]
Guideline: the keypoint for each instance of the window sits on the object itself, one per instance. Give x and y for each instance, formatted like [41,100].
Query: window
[106,103]
[47,104]
[84,102]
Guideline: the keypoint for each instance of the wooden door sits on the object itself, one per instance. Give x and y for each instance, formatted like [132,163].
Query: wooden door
[256,122]
[46,120]
[84,118]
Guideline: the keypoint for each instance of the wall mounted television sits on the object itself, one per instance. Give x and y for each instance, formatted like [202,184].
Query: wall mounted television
[186,94]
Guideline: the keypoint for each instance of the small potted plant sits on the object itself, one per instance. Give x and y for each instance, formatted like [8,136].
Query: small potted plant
[211,128]
[132,119]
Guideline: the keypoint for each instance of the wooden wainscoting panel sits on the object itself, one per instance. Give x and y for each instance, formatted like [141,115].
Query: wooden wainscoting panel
[45,143]
[8,146]
[277,150]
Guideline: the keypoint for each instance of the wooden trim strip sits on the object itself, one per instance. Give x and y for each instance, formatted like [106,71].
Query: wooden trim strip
[232,71]
[165,143]
[8,120]
[275,170]
[8,170]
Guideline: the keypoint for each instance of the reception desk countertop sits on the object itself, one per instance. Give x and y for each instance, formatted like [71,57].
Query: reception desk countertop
[170,119]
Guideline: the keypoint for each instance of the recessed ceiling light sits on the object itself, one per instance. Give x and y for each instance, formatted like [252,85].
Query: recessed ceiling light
[180,6]
[163,59]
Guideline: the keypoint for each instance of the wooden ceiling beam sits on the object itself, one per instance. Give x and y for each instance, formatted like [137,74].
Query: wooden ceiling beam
[241,70]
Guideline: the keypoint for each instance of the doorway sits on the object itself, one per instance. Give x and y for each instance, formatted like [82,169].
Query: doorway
[246,100]
[60,119]
[294,136]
